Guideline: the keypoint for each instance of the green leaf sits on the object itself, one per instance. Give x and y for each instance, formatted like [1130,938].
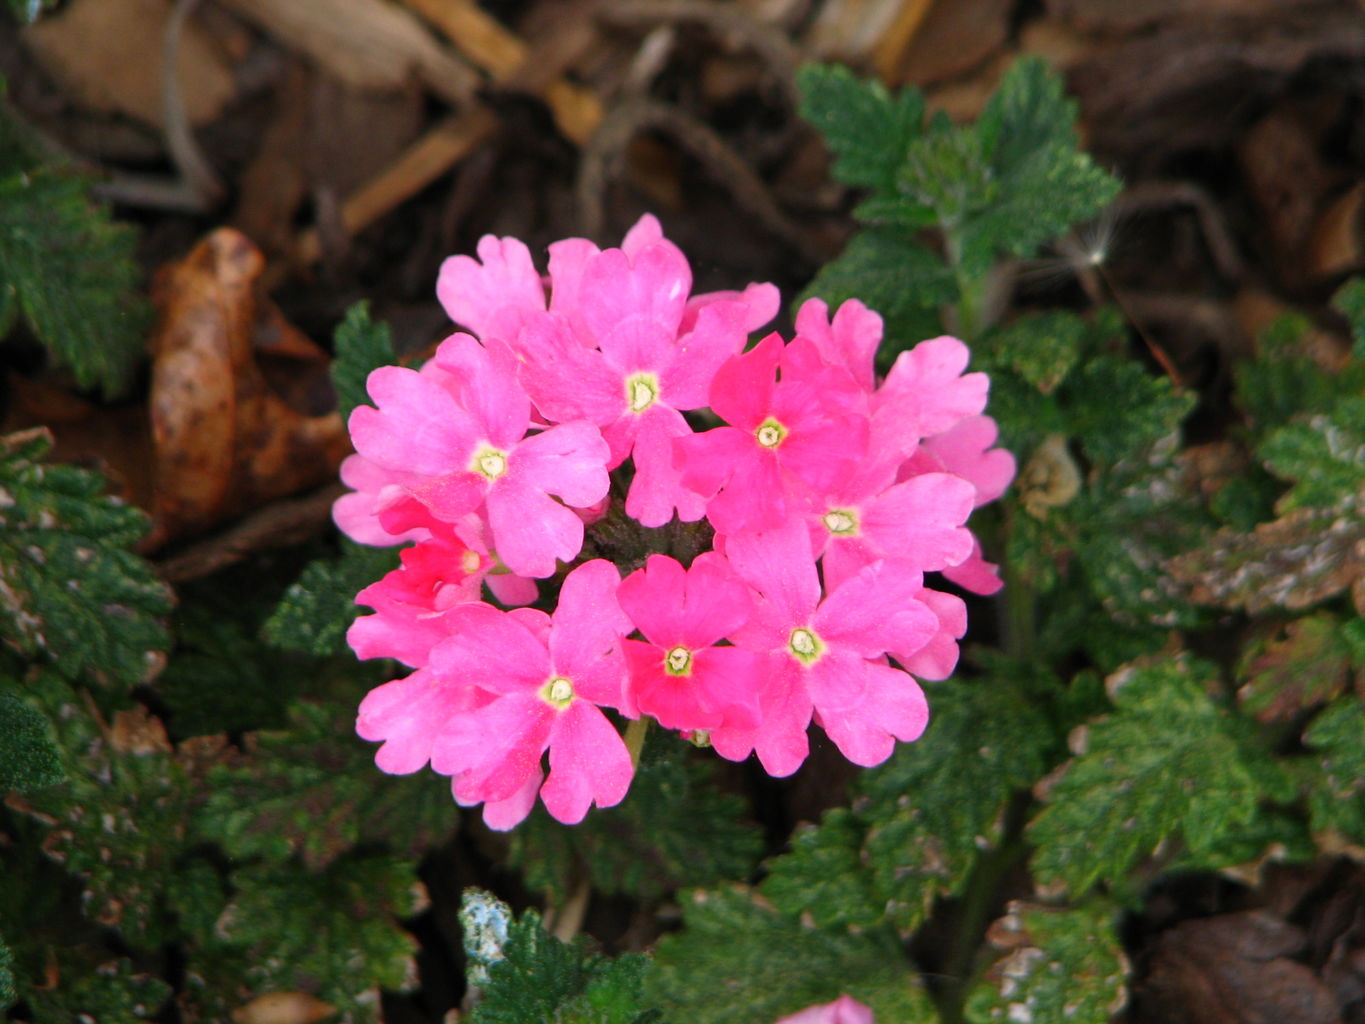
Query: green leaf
[1060,964]
[333,933]
[1350,300]
[313,791]
[29,759]
[866,128]
[317,610]
[1325,457]
[541,979]
[1040,348]
[674,829]
[359,346]
[920,821]
[1283,380]
[69,589]
[893,275]
[110,991]
[738,960]
[1165,762]
[1117,409]
[8,992]
[1301,665]
[70,270]
[1336,797]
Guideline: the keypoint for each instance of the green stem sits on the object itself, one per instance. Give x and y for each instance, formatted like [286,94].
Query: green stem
[635,739]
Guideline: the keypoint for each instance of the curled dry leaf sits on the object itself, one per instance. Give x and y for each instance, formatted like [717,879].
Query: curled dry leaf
[283,1008]
[225,441]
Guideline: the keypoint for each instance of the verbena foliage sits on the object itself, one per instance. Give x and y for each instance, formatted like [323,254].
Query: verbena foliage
[215,831]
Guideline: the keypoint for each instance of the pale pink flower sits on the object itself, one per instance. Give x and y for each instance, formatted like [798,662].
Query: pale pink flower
[926,392]
[849,340]
[549,676]
[844,1010]
[679,675]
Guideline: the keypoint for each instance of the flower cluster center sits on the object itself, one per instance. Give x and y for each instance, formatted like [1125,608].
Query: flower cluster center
[805,646]
[678,662]
[490,463]
[642,391]
[557,691]
[770,433]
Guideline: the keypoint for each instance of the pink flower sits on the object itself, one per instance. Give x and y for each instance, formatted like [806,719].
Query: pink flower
[824,656]
[849,340]
[679,676]
[844,1010]
[927,393]
[549,677]
[462,426]
[805,431]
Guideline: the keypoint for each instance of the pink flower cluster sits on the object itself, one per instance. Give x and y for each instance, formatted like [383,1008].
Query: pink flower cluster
[830,494]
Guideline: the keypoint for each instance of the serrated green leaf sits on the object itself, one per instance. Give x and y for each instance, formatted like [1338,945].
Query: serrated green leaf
[920,821]
[674,829]
[823,874]
[1350,300]
[29,758]
[1300,666]
[71,271]
[317,610]
[893,275]
[1165,762]
[1117,409]
[541,979]
[865,127]
[1061,965]
[1040,348]
[1336,799]
[333,933]
[738,960]
[69,589]
[313,791]
[359,346]
[1324,457]
[1283,381]
[112,991]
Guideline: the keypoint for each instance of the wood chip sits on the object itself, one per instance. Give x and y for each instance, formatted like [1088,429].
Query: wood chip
[107,56]
[367,43]
[952,39]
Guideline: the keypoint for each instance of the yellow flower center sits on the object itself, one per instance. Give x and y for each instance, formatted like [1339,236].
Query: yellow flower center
[770,433]
[840,521]
[678,662]
[805,646]
[557,691]
[642,390]
[489,462]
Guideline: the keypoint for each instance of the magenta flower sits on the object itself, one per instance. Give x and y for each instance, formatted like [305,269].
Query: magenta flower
[549,677]
[678,675]
[463,427]
[807,431]
[844,1010]
[824,656]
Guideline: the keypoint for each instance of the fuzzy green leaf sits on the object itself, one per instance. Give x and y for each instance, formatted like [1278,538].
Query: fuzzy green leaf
[317,610]
[69,589]
[1164,762]
[738,960]
[1059,965]
[1325,457]
[865,127]
[333,933]
[1336,799]
[313,791]
[111,992]
[1117,409]
[70,271]
[541,980]
[29,759]
[920,821]
[892,274]
[674,829]
[359,346]
[1350,299]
